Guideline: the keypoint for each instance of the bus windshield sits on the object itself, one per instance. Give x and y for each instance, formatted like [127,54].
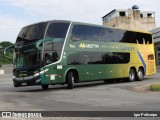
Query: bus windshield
[54,30]
[26,60]
[38,31]
[31,33]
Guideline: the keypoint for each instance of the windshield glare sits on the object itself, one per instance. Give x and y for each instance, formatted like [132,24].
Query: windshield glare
[37,31]
[26,60]
[31,33]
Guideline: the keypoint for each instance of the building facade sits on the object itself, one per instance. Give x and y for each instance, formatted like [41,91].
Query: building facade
[156,37]
[132,19]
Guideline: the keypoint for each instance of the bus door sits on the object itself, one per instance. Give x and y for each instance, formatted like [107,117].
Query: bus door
[48,58]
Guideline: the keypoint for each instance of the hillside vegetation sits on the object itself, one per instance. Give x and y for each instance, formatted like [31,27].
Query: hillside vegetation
[9,55]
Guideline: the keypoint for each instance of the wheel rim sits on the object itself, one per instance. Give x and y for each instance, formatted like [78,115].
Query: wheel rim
[131,76]
[140,74]
[72,79]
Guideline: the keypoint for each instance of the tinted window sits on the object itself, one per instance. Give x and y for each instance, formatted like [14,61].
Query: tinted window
[136,38]
[116,58]
[94,33]
[73,59]
[84,32]
[48,47]
[147,38]
[57,30]
[141,38]
[118,35]
[98,58]
[52,52]
[31,33]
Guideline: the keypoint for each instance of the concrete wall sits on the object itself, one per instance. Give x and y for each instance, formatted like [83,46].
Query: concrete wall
[132,21]
[6,69]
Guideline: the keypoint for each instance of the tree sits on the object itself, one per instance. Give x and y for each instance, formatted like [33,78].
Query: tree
[9,54]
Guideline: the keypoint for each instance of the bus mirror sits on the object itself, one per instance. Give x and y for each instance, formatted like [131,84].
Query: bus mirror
[7,48]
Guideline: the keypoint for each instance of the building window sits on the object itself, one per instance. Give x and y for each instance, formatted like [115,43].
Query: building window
[158,48]
[149,14]
[141,15]
[122,14]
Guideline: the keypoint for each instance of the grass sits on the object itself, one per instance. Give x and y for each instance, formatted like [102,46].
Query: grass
[155,87]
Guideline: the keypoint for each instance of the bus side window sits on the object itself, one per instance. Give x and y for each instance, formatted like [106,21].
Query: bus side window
[47,59]
[86,59]
[75,37]
[147,38]
[54,56]
[76,34]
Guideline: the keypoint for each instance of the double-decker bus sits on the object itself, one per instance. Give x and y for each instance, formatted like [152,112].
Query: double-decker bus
[65,52]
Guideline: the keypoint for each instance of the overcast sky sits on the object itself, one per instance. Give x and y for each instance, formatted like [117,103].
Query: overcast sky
[14,14]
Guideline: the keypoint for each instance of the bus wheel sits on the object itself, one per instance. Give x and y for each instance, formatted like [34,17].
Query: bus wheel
[70,80]
[132,75]
[45,87]
[140,75]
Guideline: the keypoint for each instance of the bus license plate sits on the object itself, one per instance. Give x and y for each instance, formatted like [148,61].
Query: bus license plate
[24,83]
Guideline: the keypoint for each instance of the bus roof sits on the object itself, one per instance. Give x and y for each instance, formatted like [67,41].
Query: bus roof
[66,21]
[83,23]
[112,27]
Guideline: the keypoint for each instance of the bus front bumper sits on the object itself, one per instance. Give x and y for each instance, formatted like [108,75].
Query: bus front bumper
[26,81]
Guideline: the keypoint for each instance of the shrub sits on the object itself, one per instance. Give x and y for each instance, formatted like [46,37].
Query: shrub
[155,87]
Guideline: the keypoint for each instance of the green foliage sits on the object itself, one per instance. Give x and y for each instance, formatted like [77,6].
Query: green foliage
[6,44]
[155,87]
[9,55]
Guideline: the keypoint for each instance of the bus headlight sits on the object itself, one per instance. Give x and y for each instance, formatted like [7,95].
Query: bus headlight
[35,75]
[38,80]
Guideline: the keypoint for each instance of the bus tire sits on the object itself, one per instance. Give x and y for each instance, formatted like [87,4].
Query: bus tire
[132,75]
[140,75]
[45,87]
[70,80]
[108,80]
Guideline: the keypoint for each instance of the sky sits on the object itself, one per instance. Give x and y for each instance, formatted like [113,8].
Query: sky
[15,14]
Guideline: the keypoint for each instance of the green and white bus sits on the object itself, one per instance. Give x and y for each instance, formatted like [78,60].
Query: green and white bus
[65,52]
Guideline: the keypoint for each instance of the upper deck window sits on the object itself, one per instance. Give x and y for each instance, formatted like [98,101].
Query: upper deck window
[57,30]
[36,32]
[96,33]
[31,33]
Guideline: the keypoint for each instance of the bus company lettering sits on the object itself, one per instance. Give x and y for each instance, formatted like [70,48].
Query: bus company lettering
[126,48]
[72,46]
[83,45]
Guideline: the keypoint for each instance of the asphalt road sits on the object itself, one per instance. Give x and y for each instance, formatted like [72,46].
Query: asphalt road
[92,96]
